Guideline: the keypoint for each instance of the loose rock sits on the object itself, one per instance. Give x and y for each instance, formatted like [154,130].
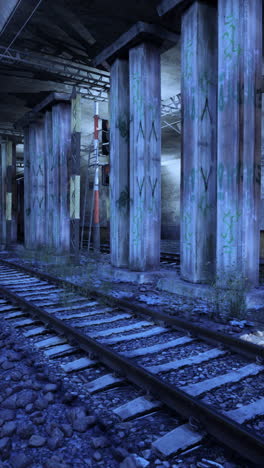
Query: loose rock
[8,429]
[56,439]
[5,447]
[100,442]
[134,461]
[36,441]
[20,460]
[25,431]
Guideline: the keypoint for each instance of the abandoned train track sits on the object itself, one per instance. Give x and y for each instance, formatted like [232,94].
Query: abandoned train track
[181,364]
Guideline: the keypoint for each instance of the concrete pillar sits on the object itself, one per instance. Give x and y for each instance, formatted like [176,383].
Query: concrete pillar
[145,152]
[11,197]
[31,235]
[8,229]
[74,173]
[39,194]
[35,206]
[198,163]
[239,137]
[61,144]
[3,162]
[27,188]
[51,177]
[119,164]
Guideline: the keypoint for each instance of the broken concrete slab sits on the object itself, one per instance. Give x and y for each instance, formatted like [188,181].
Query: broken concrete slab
[136,408]
[78,364]
[103,383]
[247,412]
[61,349]
[35,332]
[134,336]
[54,340]
[197,359]
[158,347]
[230,377]
[181,438]
[24,323]
[114,318]
[126,328]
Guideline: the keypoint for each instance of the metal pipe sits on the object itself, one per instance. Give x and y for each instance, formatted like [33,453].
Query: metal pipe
[96,219]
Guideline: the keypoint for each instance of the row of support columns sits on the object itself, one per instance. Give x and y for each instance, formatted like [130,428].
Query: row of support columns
[8,214]
[135,158]
[221,141]
[52,175]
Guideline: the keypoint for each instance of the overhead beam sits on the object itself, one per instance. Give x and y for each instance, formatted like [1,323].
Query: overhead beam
[139,32]
[95,82]
[7,9]
[73,22]
[166,6]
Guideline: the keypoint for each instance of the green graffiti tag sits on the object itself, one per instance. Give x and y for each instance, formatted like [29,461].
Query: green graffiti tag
[232,45]
[188,54]
[230,220]
[187,233]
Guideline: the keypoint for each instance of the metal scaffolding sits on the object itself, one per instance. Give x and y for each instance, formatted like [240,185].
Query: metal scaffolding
[92,83]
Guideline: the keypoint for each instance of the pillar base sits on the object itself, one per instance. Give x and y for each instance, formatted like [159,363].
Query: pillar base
[46,257]
[254,298]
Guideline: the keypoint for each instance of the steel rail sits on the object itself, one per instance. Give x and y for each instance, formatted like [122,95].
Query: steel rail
[244,348]
[221,427]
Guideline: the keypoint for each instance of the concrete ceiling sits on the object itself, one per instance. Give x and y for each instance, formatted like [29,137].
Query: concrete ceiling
[76,31]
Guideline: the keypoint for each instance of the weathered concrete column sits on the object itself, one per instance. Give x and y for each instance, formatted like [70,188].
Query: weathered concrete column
[35,206]
[8,230]
[31,234]
[52,168]
[3,162]
[198,162]
[142,45]
[52,188]
[61,154]
[145,154]
[38,165]
[119,164]
[11,195]
[74,168]
[27,188]
[239,137]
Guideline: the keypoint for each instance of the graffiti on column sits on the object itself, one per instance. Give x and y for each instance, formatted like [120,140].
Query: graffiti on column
[38,201]
[153,131]
[140,185]
[152,208]
[204,206]
[230,220]
[206,177]
[187,233]
[206,108]
[138,99]
[137,221]
[188,61]
[229,36]
[153,186]
[140,131]
[205,81]
[123,201]
[122,124]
